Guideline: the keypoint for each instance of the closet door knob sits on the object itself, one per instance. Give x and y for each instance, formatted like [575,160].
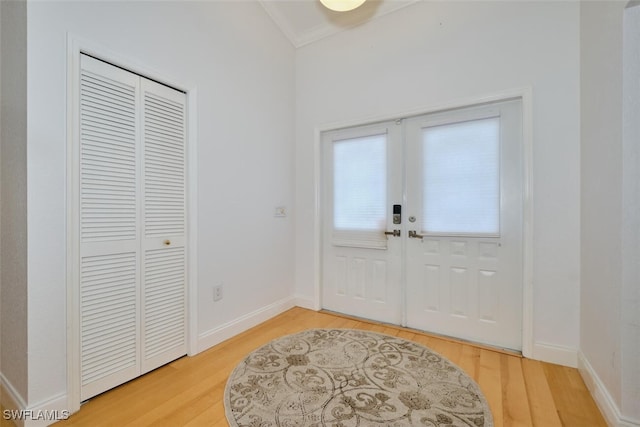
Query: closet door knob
[167,242]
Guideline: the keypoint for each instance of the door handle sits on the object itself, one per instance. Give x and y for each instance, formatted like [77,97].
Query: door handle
[413,234]
[395,233]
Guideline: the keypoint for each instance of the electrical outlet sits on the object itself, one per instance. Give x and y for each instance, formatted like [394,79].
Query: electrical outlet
[217,292]
[280,212]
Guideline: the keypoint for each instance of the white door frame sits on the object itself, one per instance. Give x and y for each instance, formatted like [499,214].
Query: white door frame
[525,94]
[76,46]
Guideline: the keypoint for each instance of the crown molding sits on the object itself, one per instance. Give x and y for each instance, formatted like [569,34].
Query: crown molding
[319,32]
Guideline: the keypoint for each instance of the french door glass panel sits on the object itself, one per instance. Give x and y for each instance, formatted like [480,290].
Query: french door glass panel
[461,177]
[360,181]
[360,191]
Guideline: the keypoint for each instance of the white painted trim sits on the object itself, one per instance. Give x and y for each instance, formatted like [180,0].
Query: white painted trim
[76,45]
[10,398]
[630,292]
[527,212]
[553,353]
[280,20]
[304,302]
[73,239]
[628,422]
[318,32]
[39,414]
[55,407]
[601,395]
[317,219]
[526,95]
[523,93]
[192,221]
[230,329]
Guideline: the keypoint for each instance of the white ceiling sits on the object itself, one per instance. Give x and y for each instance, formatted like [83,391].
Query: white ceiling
[305,21]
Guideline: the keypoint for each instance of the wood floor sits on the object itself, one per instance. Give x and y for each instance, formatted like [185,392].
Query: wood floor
[189,391]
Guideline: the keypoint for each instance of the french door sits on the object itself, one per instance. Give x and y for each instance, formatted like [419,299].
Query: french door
[362,265]
[438,247]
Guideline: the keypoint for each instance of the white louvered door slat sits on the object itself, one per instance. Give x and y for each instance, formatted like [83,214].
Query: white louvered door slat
[164,225]
[132,222]
[164,301]
[109,232]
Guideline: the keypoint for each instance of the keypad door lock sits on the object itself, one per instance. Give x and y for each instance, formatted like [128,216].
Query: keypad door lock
[397,214]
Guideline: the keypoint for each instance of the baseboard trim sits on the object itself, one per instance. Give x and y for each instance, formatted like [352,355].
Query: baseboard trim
[40,414]
[553,353]
[230,329]
[10,399]
[48,411]
[601,395]
[304,302]
[628,422]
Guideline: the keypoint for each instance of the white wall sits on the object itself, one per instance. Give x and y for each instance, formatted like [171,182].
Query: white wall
[630,337]
[610,249]
[0,194]
[1,50]
[435,53]
[243,69]
[13,193]
[601,109]
[610,297]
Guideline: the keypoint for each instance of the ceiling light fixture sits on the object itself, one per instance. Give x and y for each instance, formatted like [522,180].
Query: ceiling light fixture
[341,5]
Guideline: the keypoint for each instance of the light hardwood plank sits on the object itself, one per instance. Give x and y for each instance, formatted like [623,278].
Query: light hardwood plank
[407,335]
[515,405]
[190,390]
[543,408]
[490,382]
[470,361]
[5,422]
[571,397]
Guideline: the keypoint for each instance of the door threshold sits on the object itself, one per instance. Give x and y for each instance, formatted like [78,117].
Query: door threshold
[482,346]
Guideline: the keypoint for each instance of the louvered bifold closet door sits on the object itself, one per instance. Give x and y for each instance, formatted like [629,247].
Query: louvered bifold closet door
[164,225]
[109,230]
[132,223]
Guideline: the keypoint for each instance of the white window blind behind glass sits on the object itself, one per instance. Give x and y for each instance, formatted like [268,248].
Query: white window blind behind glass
[461,191]
[360,191]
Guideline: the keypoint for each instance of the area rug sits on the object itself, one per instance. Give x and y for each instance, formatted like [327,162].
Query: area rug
[349,378]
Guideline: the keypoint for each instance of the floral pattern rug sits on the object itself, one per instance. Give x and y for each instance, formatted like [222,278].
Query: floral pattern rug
[349,378]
